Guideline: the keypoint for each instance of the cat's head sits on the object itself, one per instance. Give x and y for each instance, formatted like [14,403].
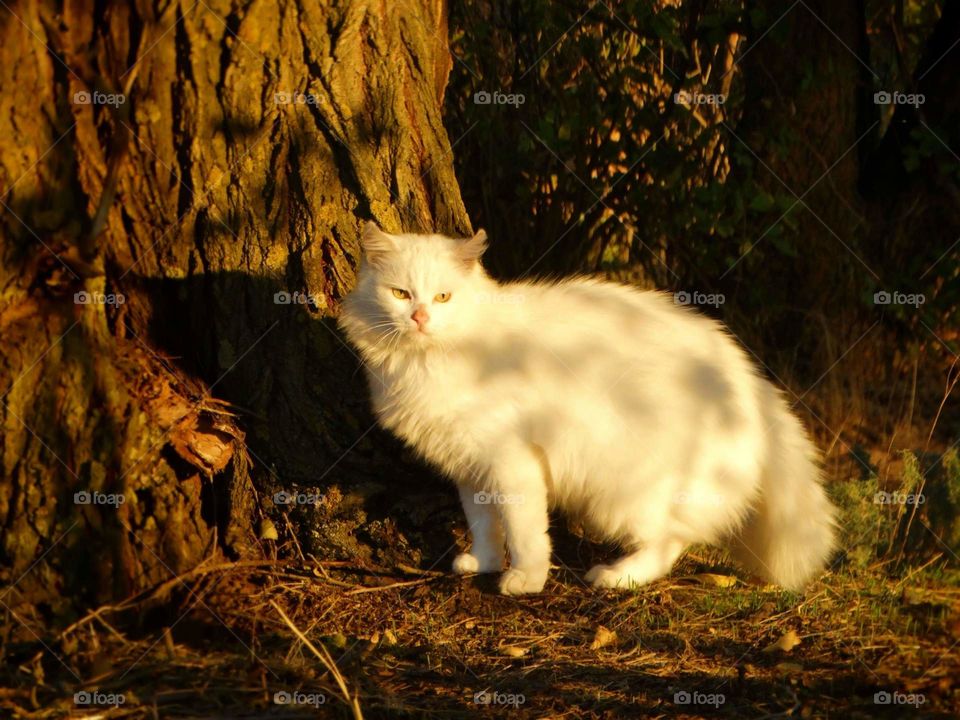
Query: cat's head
[413,290]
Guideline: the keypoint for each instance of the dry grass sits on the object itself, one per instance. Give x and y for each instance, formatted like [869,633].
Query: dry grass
[378,642]
[354,638]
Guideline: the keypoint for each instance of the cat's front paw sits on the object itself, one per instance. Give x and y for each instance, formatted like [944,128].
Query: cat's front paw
[520,582]
[466,563]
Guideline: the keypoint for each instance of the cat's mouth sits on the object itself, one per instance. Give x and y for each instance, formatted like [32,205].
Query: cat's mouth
[419,333]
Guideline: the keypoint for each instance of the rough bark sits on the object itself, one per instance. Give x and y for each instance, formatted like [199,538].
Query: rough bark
[802,120]
[198,200]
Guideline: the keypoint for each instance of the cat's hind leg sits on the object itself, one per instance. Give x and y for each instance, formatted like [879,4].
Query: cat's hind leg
[650,562]
[487,550]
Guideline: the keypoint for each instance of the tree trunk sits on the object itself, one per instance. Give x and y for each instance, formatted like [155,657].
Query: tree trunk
[253,139]
[802,120]
[800,138]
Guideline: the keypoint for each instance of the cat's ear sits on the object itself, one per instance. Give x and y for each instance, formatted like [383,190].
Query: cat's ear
[470,250]
[376,243]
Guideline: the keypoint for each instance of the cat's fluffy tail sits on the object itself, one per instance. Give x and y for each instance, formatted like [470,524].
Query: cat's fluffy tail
[790,534]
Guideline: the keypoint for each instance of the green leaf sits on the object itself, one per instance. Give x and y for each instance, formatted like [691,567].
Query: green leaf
[762,202]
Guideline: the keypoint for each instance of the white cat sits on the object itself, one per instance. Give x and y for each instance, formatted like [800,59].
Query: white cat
[642,418]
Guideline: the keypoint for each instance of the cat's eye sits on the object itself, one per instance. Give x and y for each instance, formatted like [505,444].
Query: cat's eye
[400,294]
[441,297]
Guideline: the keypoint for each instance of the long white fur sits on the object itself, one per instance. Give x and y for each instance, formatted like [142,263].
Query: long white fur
[643,418]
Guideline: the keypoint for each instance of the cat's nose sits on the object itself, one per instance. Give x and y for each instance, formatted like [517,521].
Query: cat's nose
[420,317]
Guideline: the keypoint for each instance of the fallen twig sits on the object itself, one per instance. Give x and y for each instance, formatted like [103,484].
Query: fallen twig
[323,655]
